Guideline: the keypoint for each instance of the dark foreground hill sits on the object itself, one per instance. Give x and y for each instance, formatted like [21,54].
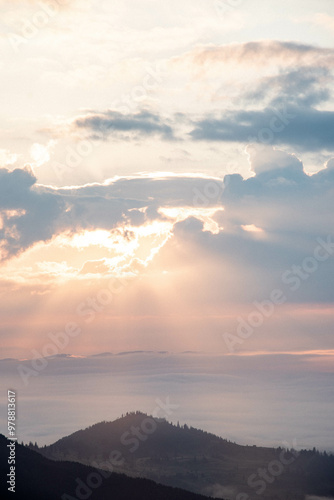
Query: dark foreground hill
[198,461]
[38,478]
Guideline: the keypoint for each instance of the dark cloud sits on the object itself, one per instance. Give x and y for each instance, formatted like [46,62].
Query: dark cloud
[31,213]
[27,215]
[114,123]
[301,82]
[305,128]
[303,86]
[272,225]
[279,109]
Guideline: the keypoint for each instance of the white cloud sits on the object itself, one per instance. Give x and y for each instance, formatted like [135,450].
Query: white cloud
[41,153]
[7,158]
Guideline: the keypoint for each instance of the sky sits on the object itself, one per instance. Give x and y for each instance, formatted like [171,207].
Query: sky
[166,187]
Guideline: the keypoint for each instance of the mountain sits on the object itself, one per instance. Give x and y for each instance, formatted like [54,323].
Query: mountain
[38,478]
[197,461]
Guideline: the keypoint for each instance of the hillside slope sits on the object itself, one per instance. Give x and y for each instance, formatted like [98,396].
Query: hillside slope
[195,460]
[38,478]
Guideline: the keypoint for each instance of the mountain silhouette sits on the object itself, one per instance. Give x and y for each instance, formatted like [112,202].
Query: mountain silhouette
[38,478]
[181,456]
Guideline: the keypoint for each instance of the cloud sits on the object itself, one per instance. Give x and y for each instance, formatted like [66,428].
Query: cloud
[7,158]
[241,234]
[291,211]
[95,267]
[279,109]
[282,102]
[305,128]
[271,160]
[242,398]
[262,53]
[40,154]
[114,123]
[32,213]
[322,19]
[27,216]
[303,86]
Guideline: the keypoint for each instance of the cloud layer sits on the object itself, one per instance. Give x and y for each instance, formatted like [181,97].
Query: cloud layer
[245,399]
[258,227]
